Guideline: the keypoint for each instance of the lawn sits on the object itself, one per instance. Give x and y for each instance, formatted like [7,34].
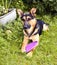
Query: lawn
[11,37]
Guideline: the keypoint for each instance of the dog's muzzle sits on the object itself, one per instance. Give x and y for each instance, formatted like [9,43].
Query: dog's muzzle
[26,26]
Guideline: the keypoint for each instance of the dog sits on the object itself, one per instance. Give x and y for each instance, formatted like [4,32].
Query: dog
[32,28]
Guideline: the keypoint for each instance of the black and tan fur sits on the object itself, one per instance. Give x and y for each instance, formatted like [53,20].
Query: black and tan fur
[32,28]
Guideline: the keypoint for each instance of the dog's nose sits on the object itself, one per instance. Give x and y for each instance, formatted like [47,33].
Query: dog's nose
[27,26]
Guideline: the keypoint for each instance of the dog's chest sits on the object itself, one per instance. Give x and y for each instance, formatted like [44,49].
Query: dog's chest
[30,32]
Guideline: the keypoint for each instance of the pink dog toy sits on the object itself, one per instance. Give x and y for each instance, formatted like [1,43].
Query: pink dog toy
[30,46]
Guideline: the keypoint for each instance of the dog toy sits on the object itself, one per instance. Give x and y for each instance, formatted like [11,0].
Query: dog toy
[30,46]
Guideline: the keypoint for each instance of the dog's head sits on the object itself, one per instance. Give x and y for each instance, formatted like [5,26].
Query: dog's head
[28,18]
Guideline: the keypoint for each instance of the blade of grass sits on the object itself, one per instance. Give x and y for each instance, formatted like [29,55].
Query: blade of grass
[6,4]
[9,3]
[3,2]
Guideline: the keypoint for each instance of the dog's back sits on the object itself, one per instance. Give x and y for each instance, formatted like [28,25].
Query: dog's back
[40,24]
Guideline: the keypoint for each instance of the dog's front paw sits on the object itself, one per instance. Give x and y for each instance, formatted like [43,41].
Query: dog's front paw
[22,50]
[29,54]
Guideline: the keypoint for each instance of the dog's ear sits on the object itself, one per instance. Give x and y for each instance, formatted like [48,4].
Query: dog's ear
[20,12]
[33,11]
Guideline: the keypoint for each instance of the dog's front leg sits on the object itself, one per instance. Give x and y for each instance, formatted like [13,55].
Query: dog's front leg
[25,42]
[34,38]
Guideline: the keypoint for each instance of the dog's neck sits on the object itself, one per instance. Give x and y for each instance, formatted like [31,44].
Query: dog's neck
[31,30]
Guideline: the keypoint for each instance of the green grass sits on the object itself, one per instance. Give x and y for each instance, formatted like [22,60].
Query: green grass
[11,37]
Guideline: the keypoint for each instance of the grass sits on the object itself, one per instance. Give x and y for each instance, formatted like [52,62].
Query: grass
[11,37]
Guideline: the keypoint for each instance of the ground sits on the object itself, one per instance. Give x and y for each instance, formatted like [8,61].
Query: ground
[11,37]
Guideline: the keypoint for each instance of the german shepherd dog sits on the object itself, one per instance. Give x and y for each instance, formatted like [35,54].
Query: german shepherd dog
[32,28]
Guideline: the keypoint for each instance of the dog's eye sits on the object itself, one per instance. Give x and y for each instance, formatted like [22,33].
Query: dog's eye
[23,20]
[29,19]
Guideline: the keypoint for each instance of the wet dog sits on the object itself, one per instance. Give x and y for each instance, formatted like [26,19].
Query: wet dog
[32,28]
